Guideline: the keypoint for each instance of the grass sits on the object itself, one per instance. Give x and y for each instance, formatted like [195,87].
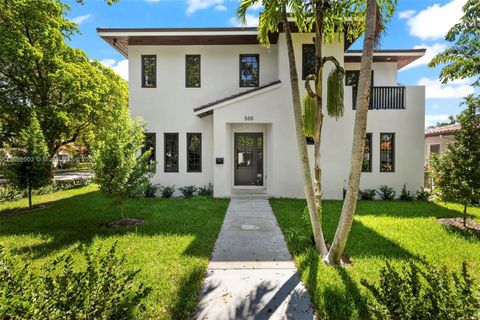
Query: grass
[393,230]
[172,248]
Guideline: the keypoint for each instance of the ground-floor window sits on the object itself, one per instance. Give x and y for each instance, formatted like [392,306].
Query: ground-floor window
[387,152]
[194,152]
[171,152]
[434,148]
[367,154]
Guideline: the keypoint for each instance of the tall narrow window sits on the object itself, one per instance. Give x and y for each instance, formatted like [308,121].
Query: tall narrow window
[192,71]
[171,152]
[194,152]
[149,71]
[150,144]
[367,154]
[308,60]
[249,70]
[387,152]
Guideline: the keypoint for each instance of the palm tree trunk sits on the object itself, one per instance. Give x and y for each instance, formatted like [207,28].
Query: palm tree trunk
[302,144]
[350,202]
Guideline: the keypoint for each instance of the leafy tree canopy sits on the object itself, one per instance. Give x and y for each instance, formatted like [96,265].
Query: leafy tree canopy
[463,58]
[40,72]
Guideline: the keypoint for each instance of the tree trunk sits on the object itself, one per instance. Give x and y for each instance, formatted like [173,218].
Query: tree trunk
[30,195]
[465,217]
[350,202]
[121,205]
[302,144]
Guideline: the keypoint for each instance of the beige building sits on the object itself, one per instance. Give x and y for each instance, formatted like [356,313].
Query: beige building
[437,139]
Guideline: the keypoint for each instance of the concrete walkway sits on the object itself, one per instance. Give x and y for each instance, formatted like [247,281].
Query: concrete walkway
[251,274]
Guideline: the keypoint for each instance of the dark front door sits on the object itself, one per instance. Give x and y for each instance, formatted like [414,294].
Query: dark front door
[248,159]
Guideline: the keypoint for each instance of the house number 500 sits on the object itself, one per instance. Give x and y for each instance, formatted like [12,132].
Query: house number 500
[248,118]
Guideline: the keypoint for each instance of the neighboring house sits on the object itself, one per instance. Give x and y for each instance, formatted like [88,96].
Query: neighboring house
[437,139]
[68,154]
[218,108]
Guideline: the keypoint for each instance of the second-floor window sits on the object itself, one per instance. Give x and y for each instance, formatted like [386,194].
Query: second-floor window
[352,77]
[308,60]
[192,71]
[149,71]
[171,152]
[367,154]
[249,70]
[387,152]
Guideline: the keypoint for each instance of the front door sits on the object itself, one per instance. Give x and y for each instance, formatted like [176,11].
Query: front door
[248,159]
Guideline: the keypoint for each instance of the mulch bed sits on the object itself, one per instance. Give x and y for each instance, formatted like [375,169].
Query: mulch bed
[19,211]
[458,224]
[123,223]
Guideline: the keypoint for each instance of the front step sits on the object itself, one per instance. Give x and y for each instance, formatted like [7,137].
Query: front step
[249,194]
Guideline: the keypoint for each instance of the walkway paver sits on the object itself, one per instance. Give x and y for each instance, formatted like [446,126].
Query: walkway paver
[251,274]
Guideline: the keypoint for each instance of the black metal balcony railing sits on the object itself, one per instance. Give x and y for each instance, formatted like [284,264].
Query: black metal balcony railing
[384,98]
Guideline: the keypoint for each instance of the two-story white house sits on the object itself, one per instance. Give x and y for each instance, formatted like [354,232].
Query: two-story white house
[218,109]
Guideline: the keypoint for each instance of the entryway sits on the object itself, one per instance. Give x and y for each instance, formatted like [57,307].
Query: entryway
[248,159]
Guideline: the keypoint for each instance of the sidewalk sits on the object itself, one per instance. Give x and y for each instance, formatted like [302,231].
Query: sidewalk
[251,274]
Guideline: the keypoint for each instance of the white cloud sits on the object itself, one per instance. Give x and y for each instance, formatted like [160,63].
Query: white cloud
[220,7]
[435,90]
[435,21]
[431,52]
[195,5]
[120,67]
[252,21]
[406,14]
[81,19]
[433,119]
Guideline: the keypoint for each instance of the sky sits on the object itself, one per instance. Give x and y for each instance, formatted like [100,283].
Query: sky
[416,24]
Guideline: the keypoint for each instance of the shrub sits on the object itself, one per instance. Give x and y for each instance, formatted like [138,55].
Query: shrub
[386,193]
[167,191]
[99,290]
[206,190]
[188,191]
[367,194]
[405,195]
[423,194]
[151,191]
[421,291]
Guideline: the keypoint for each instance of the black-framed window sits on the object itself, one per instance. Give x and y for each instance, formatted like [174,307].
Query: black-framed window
[249,70]
[194,152]
[150,144]
[308,60]
[149,71]
[192,71]
[367,154]
[387,152]
[171,152]
[352,77]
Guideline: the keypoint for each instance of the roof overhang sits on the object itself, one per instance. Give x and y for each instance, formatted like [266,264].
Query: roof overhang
[121,38]
[401,57]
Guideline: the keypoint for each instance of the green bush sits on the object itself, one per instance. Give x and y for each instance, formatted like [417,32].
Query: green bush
[421,291]
[367,194]
[405,195]
[188,191]
[206,190]
[167,191]
[386,193]
[151,190]
[423,194]
[99,290]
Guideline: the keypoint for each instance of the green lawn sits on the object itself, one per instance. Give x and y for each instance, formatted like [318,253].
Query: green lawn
[382,230]
[172,248]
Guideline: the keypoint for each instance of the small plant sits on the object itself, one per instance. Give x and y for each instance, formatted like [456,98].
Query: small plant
[151,191]
[188,191]
[386,193]
[167,191]
[421,291]
[367,194]
[206,190]
[100,289]
[423,194]
[405,195]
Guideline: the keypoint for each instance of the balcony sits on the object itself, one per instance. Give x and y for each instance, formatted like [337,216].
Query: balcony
[384,98]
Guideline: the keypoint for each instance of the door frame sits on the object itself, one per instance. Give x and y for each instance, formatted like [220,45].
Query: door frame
[233,150]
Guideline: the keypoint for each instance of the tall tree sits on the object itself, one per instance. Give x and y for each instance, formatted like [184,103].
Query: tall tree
[456,173]
[359,131]
[463,58]
[39,71]
[29,167]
